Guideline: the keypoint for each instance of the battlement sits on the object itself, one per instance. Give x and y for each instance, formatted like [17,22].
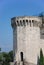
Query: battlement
[32,21]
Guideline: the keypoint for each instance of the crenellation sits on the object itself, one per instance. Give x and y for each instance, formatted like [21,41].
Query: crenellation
[31,21]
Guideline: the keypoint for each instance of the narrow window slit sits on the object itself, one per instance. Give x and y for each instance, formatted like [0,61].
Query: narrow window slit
[21,54]
[33,22]
[17,22]
[30,22]
[23,22]
[27,22]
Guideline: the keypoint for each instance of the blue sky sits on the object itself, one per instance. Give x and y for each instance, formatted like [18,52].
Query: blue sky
[11,8]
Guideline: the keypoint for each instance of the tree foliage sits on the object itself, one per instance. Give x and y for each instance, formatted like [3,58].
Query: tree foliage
[11,55]
[0,57]
[7,58]
[41,59]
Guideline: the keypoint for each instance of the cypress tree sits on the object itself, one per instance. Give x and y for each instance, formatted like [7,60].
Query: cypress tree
[41,57]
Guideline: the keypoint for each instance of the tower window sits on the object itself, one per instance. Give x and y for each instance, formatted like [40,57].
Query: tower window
[27,21]
[33,22]
[30,22]
[21,22]
[24,22]
[21,54]
[17,22]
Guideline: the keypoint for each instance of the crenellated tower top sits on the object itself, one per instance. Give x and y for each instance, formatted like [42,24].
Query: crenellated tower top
[32,21]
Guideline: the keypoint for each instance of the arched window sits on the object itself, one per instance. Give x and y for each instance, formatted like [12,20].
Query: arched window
[21,54]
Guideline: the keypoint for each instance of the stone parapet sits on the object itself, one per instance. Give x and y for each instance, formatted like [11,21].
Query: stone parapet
[26,20]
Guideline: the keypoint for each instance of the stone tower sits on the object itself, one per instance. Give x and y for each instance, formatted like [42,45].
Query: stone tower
[26,39]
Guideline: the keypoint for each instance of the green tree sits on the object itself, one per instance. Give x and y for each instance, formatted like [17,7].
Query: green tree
[41,58]
[1,60]
[11,55]
[0,57]
[7,57]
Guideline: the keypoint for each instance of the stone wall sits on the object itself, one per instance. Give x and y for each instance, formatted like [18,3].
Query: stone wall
[26,38]
[28,42]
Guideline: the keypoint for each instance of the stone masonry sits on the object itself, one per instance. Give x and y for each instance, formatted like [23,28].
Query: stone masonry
[28,38]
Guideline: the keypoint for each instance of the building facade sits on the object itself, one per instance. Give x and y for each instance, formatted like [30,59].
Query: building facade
[28,38]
